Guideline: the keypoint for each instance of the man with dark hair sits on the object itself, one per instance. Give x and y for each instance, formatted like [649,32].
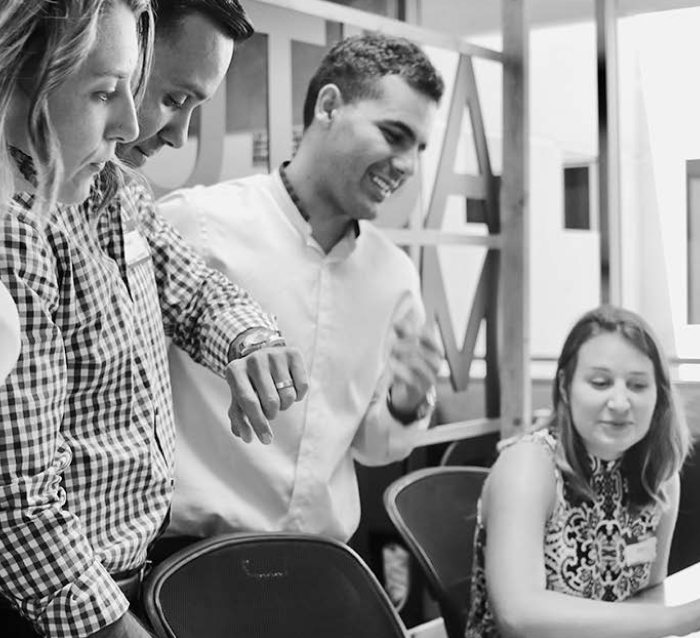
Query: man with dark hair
[103,291]
[194,44]
[300,240]
[355,70]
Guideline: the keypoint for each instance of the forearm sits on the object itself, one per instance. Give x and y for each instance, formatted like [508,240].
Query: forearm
[220,313]
[515,514]
[60,585]
[202,310]
[47,567]
[552,615]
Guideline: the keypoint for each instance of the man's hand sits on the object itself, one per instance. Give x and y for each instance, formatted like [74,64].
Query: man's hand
[415,360]
[263,383]
[126,627]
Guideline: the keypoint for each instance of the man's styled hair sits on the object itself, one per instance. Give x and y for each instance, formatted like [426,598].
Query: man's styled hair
[355,64]
[660,454]
[41,43]
[228,15]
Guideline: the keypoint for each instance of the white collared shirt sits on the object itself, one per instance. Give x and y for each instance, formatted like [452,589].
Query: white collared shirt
[338,309]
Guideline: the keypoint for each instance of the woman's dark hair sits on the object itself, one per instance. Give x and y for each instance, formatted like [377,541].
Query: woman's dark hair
[660,454]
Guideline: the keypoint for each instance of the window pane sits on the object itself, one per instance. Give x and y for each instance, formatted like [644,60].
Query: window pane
[577,203]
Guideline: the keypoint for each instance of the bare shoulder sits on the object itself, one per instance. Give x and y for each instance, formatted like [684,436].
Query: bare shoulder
[524,475]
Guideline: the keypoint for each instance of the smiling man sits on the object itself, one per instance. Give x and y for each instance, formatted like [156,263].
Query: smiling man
[300,241]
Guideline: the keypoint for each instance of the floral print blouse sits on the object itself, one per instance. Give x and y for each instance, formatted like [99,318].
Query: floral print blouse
[589,548]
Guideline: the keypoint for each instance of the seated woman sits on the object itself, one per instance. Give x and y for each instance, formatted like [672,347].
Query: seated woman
[578,515]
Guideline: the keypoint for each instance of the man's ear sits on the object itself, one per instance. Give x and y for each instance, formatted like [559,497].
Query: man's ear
[328,101]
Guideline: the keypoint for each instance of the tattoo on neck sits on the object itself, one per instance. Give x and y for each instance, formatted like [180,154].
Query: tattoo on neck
[25,164]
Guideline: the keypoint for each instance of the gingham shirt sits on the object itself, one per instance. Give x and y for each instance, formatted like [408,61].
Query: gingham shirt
[86,424]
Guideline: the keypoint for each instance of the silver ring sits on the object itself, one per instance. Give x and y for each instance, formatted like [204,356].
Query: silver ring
[281,385]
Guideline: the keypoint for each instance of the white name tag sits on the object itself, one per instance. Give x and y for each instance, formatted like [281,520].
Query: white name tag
[135,248]
[641,552]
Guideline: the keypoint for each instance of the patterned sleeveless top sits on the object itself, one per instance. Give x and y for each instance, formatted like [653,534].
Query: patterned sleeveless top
[584,544]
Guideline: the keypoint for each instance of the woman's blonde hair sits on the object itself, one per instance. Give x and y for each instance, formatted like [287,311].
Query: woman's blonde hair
[41,43]
[660,454]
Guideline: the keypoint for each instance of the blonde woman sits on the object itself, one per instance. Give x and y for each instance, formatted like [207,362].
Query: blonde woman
[69,75]
[28,69]
[578,516]
[86,422]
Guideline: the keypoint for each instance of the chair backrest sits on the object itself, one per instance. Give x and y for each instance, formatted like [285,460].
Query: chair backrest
[434,510]
[268,586]
[480,451]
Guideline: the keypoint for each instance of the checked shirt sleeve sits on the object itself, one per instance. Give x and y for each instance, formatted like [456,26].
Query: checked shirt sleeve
[202,310]
[47,566]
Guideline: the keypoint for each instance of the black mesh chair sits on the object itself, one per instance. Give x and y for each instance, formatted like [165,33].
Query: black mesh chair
[434,510]
[480,450]
[268,586]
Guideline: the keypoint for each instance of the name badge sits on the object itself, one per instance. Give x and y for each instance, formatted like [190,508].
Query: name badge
[135,248]
[641,552]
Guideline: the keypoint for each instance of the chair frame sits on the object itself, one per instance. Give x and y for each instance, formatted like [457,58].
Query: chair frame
[483,449]
[434,582]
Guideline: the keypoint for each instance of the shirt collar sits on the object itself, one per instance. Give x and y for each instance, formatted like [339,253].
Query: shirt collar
[294,196]
[602,466]
[25,165]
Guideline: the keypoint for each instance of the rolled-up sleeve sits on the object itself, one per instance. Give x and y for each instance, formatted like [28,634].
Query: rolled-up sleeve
[47,566]
[203,312]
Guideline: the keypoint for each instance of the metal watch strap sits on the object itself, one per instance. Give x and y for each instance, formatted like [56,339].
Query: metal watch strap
[269,343]
[272,340]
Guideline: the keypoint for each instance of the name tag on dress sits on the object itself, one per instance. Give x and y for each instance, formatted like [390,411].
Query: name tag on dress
[135,248]
[641,552]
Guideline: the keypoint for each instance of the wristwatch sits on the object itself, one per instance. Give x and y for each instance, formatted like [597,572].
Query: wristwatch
[420,412]
[255,339]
